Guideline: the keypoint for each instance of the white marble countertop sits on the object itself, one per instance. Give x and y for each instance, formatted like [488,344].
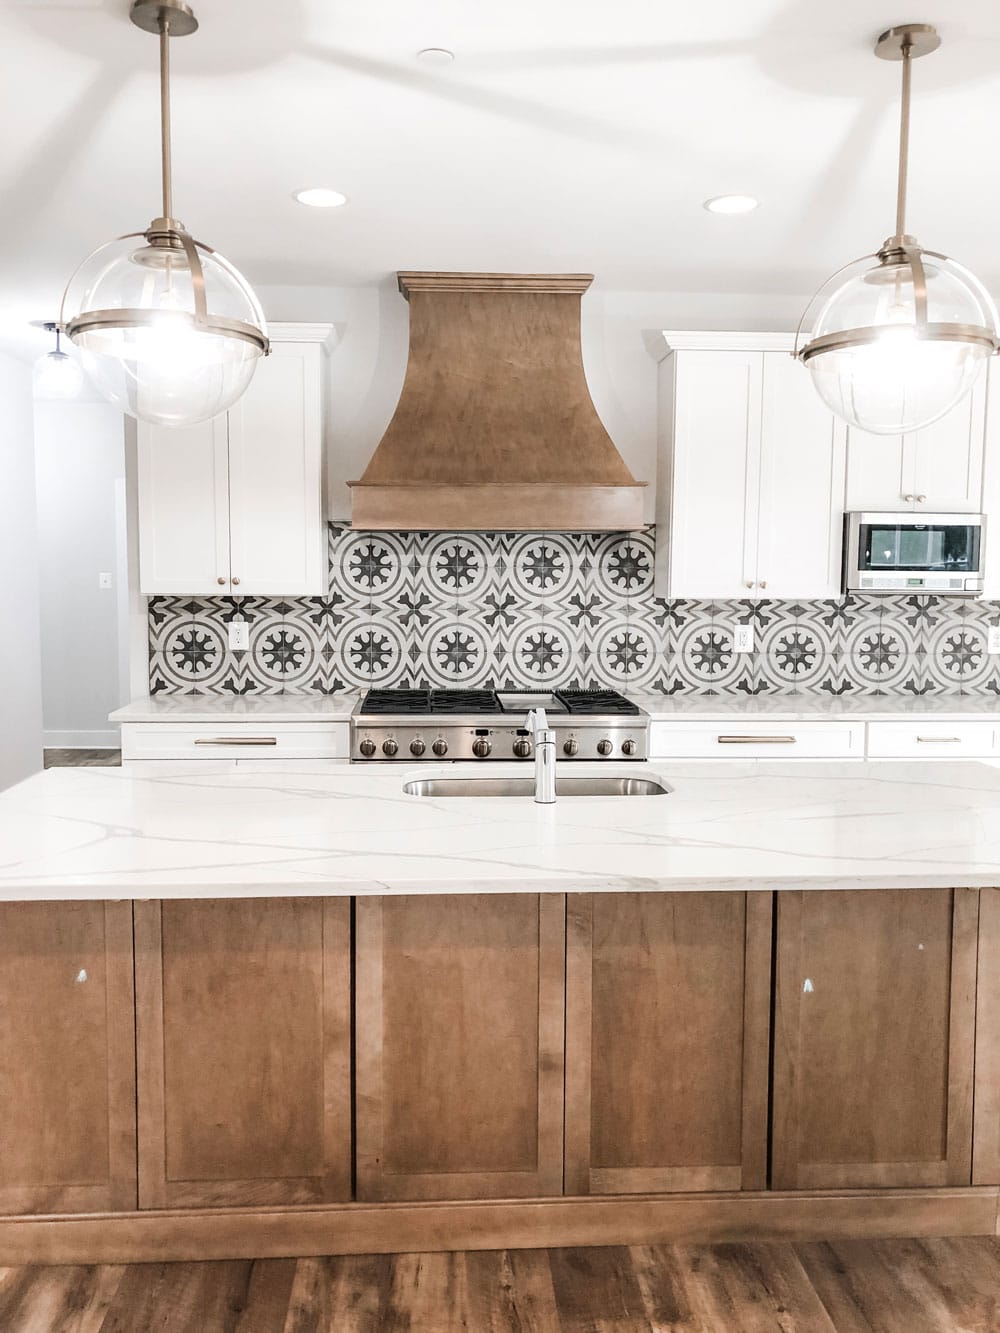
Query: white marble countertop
[689,708]
[239,708]
[818,708]
[278,829]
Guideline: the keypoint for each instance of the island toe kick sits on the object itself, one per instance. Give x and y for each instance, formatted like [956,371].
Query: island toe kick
[210,1079]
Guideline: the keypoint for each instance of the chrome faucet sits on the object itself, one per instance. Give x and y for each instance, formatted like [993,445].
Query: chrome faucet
[545,755]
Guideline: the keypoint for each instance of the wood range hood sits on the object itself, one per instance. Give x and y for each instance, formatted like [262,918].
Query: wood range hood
[495,428]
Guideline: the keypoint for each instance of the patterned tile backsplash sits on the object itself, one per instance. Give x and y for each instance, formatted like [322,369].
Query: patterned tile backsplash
[526,609]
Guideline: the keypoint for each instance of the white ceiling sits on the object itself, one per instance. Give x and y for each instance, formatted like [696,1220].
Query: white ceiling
[567,135]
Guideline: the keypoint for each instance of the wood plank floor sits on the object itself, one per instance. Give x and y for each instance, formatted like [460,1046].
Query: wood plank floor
[900,1286]
[82,758]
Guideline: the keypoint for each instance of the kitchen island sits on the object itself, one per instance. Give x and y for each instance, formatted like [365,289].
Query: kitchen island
[268,1010]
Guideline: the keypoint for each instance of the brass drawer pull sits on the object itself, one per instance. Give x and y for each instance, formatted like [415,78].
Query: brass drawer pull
[237,740]
[756,740]
[939,740]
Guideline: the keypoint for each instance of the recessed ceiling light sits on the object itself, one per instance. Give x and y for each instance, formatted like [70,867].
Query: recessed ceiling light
[321,198]
[435,55]
[731,203]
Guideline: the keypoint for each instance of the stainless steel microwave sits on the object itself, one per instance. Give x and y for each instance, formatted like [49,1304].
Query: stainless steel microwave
[914,552]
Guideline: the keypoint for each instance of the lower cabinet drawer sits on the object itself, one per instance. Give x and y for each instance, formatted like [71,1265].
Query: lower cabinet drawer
[235,740]
[931,740]
[770,740]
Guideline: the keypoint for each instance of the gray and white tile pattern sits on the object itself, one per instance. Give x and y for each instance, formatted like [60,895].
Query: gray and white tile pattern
[530,609]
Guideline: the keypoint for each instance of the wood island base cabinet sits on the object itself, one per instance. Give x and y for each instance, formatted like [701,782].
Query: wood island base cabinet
[254,1078]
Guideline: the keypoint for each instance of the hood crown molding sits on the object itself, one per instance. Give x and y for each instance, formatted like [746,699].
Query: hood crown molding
[495,428]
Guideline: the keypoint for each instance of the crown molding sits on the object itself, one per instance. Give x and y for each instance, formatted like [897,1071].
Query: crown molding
[324,334]
[689,340]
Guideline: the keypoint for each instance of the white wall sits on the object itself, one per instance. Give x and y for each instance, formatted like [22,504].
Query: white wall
[80,469]
[20,686]
[618,329]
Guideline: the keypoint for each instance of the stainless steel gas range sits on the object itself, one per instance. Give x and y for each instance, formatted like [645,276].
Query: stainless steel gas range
[393,725]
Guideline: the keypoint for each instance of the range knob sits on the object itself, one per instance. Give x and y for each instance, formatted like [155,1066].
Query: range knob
[571,747]
[440,747]
[604,747]
[417,747]
[629,748]
[522,747]
[390,747]
[367,748]
[481,747]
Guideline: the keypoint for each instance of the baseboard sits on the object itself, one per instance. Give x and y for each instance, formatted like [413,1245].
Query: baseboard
[110,739]
[387,1228]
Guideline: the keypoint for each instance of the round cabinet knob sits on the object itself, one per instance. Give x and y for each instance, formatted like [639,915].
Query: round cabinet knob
[763,583]
[481,747]
[417,747]
[390,747]
[367,748]
[921,499]
[571,747]
[440,747]
[604,747]
[221,581]
[629,748]
[749,583]
[522,747]
[236,583]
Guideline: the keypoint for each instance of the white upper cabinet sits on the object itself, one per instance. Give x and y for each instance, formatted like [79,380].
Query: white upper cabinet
[750,490]
[235,506]
[938,469]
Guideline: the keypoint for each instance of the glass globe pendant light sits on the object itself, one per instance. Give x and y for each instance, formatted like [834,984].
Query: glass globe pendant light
[167,328]
[55,376]
[898,337]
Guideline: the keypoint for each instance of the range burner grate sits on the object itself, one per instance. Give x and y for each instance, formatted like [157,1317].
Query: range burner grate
[595,701]
[464,701]
[397,701]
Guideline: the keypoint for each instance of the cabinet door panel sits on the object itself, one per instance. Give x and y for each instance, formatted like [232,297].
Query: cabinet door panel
[275,476]
[986,1133]
[880,471]
[244,1051]
[183,496]
[949,456]
[716,474]
[460,1046]
[803,455]
[668,1010]
[874,1038]
[67,1058]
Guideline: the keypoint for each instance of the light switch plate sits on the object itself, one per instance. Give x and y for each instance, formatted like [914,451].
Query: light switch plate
[993,639]
[239,635]
[743,638]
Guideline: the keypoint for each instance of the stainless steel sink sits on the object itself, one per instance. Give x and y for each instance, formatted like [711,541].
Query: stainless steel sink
[565,786]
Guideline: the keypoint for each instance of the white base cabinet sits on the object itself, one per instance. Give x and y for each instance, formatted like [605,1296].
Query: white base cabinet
[750,486]
[734,740]
[211,740]
[235,506]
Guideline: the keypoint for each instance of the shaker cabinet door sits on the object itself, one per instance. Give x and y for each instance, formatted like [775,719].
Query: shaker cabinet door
[803,455]
[276,477]
[667,1021]
[244,1051]
[712,526]
[183,499]
[873,1038]
[459,1046]
[67,1058]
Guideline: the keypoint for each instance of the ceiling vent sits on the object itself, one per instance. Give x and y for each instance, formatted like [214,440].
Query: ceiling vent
[495,428]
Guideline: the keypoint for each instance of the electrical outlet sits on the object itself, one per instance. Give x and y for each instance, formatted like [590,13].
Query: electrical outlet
[743,638]
[993,639]
[239,635]
[104,580]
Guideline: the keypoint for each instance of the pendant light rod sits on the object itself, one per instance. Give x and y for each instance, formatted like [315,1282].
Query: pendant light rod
[166,19]
[907,42]
[165,162]
[904,140]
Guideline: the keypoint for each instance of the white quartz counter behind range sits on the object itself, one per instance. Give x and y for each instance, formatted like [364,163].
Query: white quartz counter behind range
[269,829]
